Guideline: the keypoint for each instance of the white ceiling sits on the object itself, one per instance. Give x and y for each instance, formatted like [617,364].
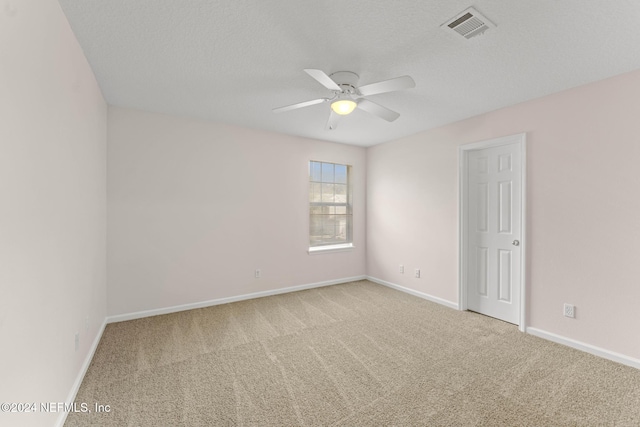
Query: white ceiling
[234,61]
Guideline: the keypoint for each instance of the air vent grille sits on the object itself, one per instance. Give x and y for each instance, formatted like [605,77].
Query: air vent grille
[468,24]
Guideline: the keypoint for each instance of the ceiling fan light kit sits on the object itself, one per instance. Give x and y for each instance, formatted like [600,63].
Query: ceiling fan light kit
[347,95]
[344,106]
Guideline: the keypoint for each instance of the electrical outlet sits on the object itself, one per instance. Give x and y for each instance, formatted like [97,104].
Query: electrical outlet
[258,273]
[77,340]
[401,269]
[417,273]
[86,323]
[569,310]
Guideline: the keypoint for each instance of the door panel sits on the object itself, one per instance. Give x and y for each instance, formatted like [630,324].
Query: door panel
[482,269]
[494,203]
[505,282]
[483,207]
[504,221]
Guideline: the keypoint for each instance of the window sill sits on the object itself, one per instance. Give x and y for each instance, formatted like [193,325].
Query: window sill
[330,249]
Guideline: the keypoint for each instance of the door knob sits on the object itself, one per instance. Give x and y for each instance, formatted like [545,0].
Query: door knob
[516,243]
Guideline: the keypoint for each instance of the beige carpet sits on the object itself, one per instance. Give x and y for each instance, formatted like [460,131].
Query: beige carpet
[347,355]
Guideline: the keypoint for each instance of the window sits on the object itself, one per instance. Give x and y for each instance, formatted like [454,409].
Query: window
[330,205]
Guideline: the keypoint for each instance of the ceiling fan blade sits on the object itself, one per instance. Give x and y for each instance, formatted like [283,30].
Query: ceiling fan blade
[299,105]
[323,79]
[399,83]
[332,123]
[378,110]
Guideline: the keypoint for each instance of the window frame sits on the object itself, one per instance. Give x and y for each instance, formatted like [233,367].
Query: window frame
[325,247]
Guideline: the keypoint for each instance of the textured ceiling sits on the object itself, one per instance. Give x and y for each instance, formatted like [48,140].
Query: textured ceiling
[234,61]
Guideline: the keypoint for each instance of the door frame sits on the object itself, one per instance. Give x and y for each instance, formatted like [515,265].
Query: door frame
[463,216]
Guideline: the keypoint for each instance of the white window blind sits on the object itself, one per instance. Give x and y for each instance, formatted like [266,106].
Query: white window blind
[330,204]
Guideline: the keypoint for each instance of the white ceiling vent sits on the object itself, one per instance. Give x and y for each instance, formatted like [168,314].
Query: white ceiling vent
[469,23]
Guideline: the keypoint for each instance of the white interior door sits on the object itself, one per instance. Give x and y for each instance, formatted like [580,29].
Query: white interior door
[494,231]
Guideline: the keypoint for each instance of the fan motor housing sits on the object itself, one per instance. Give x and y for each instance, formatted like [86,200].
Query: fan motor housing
[347,80]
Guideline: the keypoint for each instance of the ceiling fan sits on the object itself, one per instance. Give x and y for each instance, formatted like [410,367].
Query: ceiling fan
[347,95]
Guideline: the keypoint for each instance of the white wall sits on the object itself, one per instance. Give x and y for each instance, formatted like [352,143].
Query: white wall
[195,207]
[52,207]
[583,209]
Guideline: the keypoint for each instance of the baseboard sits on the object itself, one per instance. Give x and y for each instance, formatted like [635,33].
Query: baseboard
[414,292]
[587,348]
[209,303]
[83,370]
